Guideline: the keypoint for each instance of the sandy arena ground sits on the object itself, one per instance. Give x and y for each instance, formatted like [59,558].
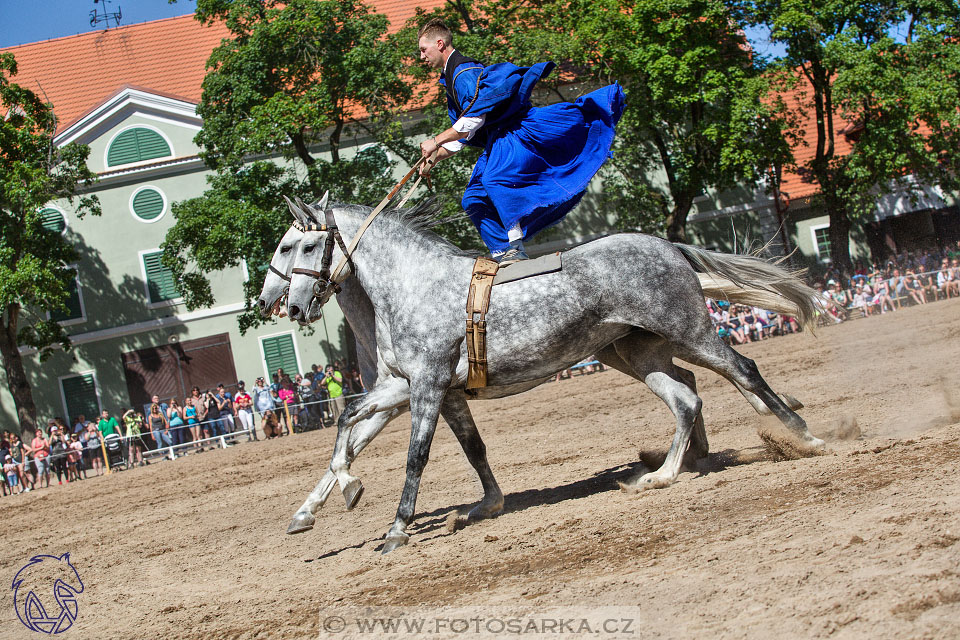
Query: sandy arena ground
[858,543]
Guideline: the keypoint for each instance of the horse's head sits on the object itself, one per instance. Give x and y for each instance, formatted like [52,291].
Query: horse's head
[45,591]
[277,280]
[319,264]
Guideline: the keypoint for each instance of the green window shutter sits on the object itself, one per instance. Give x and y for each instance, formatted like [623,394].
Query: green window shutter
[136,145]
[53,220]
[80,393]
[148,204]
[160,280]
[74,310]
[278,352]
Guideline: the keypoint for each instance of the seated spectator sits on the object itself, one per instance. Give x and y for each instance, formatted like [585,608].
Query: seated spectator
[270,424]
[915,287]
[860,301]
[947,285]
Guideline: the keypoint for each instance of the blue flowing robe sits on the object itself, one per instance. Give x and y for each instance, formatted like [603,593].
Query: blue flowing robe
[536,161]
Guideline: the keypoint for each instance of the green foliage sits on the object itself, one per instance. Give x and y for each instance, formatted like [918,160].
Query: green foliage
[296,81]
[33,172]
[894,99]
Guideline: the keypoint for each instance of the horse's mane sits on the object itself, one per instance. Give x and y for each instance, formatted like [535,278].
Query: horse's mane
[421,218]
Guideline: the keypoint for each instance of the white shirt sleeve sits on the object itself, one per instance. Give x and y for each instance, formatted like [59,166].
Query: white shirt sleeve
[468,125]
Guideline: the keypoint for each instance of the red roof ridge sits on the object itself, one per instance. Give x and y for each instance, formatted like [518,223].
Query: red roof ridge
[95,32]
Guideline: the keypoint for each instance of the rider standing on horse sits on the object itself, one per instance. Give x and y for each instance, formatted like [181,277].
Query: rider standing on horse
[536,162]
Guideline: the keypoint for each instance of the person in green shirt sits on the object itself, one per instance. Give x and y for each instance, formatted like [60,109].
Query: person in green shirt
[333,381]
[108,424]
[133,423]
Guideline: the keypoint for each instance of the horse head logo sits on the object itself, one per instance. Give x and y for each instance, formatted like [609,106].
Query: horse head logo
[45,593]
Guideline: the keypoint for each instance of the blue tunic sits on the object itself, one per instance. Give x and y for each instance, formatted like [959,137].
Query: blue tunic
[536,161]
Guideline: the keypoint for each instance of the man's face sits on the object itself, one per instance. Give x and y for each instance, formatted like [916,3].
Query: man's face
[155,399]
[431,51]
[104,414]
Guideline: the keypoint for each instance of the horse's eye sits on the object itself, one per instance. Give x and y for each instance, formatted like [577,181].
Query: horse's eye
[309,248]
[284,249]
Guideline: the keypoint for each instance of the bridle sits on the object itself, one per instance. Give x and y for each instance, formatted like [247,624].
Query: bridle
[326,282]
[323,280]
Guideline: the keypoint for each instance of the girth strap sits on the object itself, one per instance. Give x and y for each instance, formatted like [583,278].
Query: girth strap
[478,301]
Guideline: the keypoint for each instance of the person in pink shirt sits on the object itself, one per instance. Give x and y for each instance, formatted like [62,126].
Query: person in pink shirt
[75,457]
[40,448]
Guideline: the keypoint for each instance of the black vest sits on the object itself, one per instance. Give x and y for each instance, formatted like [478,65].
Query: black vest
[455,60]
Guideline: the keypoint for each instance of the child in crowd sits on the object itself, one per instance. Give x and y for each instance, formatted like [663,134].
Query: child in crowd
[11,471]
[75,458]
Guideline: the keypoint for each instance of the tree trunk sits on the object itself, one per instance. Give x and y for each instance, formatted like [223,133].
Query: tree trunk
[17,377]
[840,238]
[677,220]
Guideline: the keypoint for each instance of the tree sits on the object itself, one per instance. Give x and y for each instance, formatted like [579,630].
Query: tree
[34,277]
[297,77]
[694,119]
[895,100]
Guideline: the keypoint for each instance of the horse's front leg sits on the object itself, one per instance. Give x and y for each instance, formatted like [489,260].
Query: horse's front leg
[425,401]
[362,434]
[389,394]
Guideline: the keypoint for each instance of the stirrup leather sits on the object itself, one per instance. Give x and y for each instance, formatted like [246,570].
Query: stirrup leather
[478,301]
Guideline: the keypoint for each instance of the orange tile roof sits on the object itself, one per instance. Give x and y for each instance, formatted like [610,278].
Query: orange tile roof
[795,184]
[78,73]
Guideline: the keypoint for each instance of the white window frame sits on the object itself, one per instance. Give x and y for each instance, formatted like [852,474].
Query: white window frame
[816,245]
[386,152]
[106,151]
[83,308]
[63,396]
[166,204]
[146,284]
[268,378]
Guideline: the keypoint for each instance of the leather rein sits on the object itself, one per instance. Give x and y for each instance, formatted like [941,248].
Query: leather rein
[325,280]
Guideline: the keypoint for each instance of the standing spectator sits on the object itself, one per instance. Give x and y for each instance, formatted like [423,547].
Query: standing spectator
[75,458]
[262,398]
[159,426]
[193,418]
[58,455]
[225,409]
[93,449]
[309,412]
[133,423]
[288,395]
[333,381]
[211,425]
[11,472]
[19,454]
[176,422]
[108,424]
[243,403]
[80,425]
[40,449]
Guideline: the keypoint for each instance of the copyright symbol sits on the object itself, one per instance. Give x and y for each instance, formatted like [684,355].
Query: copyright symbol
[334,624]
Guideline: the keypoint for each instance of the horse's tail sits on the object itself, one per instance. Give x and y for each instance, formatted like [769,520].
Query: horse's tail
[751,280]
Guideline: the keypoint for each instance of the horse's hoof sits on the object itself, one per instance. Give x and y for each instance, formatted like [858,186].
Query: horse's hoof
[482,512]
[394,541]
[301,522]
[352,493]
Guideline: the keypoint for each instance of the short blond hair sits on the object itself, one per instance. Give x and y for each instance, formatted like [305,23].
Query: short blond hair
[436,28]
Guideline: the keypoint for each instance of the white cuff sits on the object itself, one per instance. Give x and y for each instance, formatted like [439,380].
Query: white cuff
[469,125]
[453,146]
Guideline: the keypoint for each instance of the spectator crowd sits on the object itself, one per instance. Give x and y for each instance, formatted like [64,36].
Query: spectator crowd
[204,419]
[906,279]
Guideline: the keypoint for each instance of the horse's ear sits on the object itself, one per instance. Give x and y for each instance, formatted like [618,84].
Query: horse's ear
[298,215]
[323,201]
[307,211]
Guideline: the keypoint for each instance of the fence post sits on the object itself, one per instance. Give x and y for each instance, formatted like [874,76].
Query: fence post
[223,442]
[286,410]
[103,448]
[173,456]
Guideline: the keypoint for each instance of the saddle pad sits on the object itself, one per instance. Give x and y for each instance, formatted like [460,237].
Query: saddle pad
[528,268]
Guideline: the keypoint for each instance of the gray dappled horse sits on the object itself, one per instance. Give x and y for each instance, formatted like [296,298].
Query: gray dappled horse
[631,296]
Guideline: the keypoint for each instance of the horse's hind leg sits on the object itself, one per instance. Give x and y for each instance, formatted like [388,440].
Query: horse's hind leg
[651,358]
[699,445]
[457,414]
[712,353]
[760,407]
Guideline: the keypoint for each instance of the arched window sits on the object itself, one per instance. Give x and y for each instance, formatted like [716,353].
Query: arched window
[53,220]
[136,145]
